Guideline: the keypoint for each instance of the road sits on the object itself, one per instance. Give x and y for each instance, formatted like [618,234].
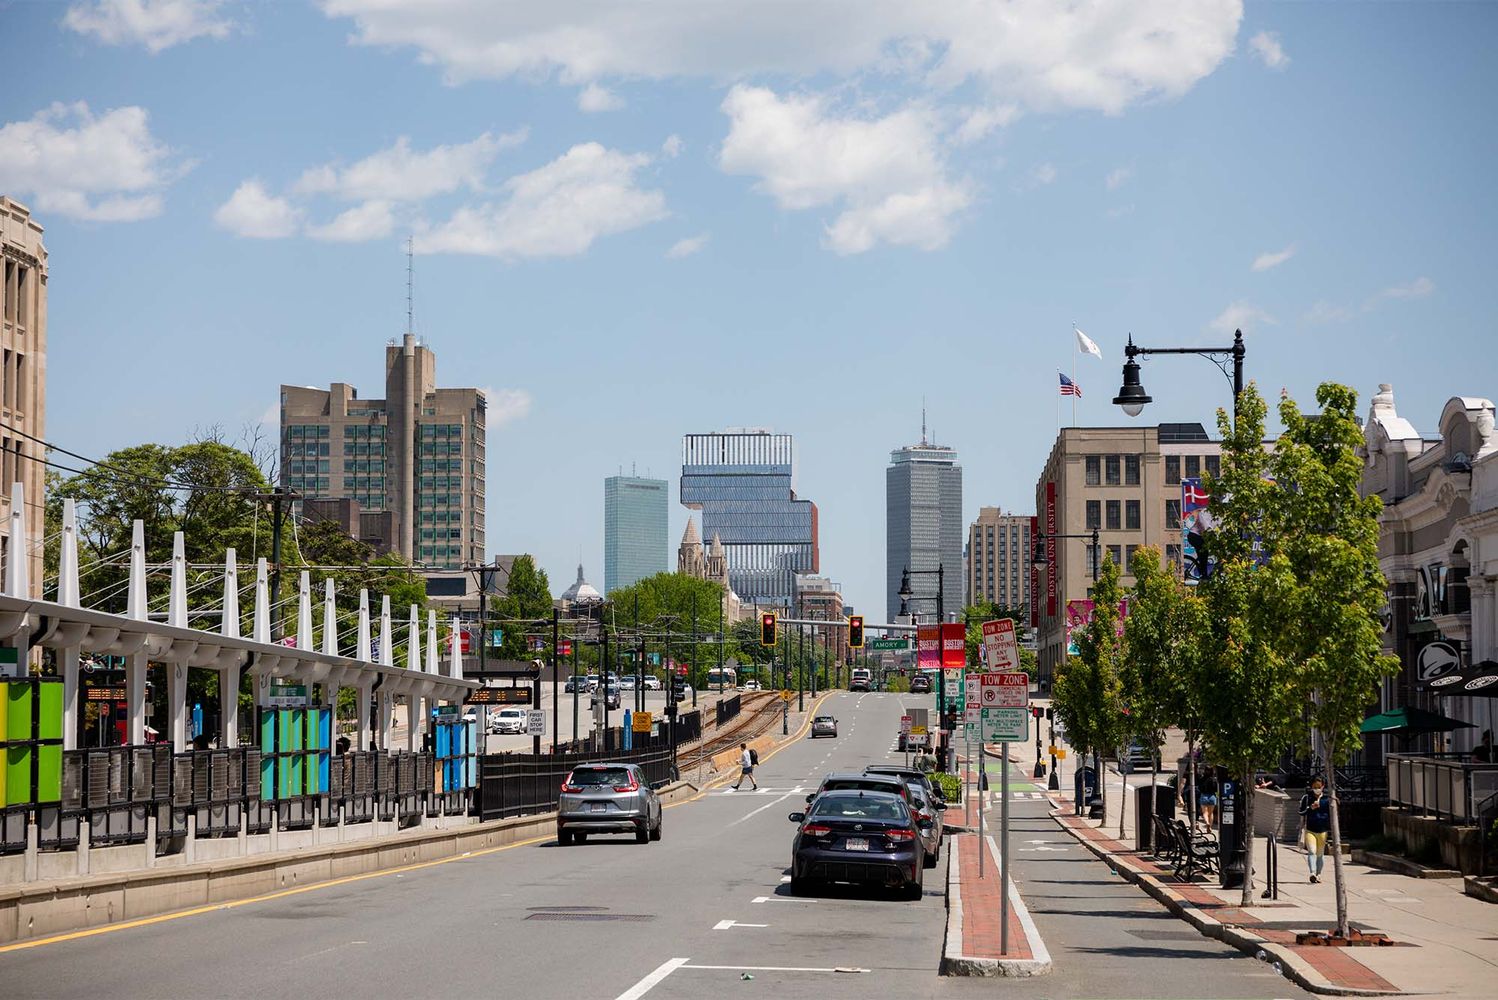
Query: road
[692,916]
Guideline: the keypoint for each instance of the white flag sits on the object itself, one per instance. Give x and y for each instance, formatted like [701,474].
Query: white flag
[1086,345]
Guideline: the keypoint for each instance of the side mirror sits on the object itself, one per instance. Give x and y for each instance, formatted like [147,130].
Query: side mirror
[797,817]
[924,824]
[811,796]
[940,805]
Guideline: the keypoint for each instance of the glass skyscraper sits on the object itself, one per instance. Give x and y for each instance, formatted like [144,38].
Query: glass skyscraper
[634,530]
[741,482]
[923,521]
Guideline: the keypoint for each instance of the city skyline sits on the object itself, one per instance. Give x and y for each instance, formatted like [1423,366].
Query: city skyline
[740,277]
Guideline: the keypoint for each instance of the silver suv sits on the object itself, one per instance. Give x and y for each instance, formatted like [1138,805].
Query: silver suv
[608,798]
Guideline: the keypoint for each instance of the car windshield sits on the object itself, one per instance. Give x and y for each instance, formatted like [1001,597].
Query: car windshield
[858,807]
[824,718]
[591,776]
[856,783]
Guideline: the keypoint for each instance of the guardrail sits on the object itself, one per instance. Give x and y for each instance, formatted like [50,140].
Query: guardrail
[1448,788]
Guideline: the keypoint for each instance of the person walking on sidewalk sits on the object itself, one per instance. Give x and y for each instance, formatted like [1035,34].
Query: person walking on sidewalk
[746,767]
[1316,812]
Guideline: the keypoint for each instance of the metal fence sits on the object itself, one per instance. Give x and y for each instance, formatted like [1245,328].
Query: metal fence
[728,708]
[515,784]
[1445,787]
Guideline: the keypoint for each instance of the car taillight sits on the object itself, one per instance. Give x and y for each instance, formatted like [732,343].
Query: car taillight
[633,786]
[571,788]
[900,836]
[816,830]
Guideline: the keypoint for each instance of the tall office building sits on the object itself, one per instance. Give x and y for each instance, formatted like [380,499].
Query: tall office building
[23,378]
[418,454]
[998,559]
[741,481]
[923,525]
[634,530]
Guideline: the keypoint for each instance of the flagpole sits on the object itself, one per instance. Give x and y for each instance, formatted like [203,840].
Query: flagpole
[1074,394]
[1058,401]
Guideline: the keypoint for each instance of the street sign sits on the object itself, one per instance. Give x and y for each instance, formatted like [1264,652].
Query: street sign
[787,695]
[888,645]
[289,696]
[1005,725]
[497,637]
[1005,690]
[1000,648]
[499,696]
[564,648]
[640,722]
[905,724]
[535,722]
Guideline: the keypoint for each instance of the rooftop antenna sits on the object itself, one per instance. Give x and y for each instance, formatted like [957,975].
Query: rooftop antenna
[410,283]
[923,421]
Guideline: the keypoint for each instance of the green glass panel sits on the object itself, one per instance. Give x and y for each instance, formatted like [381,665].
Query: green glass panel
[4,714]
[268,777]
[50,718]
[18,774]
[49,771]
[19,695]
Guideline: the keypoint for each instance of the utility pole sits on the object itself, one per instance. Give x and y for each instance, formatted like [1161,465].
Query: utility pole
[275,565]
[693,673]
[556,700]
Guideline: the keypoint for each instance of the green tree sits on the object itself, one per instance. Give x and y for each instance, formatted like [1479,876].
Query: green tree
[665,605]
[1331,625]
[1245,681]
[1162,635]
[1088,692]
[525,607]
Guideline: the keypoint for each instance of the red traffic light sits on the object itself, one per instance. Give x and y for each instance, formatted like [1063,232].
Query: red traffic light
[855,631]
[767,629]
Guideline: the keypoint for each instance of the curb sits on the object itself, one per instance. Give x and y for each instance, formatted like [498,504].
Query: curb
[1402,866]
[1479,889]
[955,963]
[1294,968]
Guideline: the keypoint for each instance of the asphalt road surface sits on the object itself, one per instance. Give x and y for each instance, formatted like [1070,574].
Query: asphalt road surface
[705,912]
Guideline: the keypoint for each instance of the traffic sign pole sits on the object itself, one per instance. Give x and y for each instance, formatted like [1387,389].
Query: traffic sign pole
[1004,851]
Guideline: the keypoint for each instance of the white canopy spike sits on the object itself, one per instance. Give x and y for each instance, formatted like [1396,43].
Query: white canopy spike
[229,625]
[304,611]
[433,656]
[455,662]
[387,651]
[67,560]
[135,603]
[363,651]
[413,641]
[329,619]
[261,623]
[176,613]
[18,566]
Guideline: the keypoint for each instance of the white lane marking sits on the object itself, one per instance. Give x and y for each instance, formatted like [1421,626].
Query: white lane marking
[752,813]
[780,899]
[645,985]
[723,925]
[785,878]
[761,968]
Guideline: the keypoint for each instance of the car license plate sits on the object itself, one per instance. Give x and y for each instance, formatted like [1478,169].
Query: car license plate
[855,844]
[596,807]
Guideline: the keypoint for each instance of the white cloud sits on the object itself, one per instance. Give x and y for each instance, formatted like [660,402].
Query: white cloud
[1417,289]
[373,220]
[594,98]
[1324,312]
[254,212]
[672,147]
[100,168]
[977,123]
[505,406]
[155,24]
[1240,315]
[401,174]
[687,246]
[886,175]
[1093,54]
[1043,174]
[1117,178]
[1266,45]
[1265,261]
[557,210]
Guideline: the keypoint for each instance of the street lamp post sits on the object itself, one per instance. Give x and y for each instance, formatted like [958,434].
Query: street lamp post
[907,596]
[1131,395]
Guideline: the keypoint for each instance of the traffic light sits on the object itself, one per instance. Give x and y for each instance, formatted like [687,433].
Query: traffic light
[767,629]
[1035,711]
[678,689]
[855,631]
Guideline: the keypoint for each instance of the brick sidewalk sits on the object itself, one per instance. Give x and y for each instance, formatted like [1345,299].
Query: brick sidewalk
[980,904]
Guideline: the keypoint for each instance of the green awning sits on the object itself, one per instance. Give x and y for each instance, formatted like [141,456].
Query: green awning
[1412,720]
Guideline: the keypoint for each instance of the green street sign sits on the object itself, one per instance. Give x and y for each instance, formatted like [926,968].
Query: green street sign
[889,644]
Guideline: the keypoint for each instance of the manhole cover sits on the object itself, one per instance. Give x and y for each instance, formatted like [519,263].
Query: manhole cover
[1166,935]
[567,909]
[577,915]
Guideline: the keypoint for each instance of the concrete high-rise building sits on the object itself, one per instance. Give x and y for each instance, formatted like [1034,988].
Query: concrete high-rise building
[923,526]
[998,559]
[418,454]
[1124,481]
[741,481]
[634,530]
[23,375]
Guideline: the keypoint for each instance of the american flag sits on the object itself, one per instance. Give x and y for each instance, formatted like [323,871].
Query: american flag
[1068,387]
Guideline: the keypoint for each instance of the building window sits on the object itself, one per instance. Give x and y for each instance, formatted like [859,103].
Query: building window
[1128,566]
[1116,554]
[1172,470]
[1131,515]
[1113,515]
[1131,470]
[1193,466]
[1094,470]
[1173,556]
[1094,514]
[1172,514]
[1113,477]
[1214,465]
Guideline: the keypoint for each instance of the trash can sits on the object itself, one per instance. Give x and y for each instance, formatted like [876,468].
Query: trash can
[1165,808]
[1084,786]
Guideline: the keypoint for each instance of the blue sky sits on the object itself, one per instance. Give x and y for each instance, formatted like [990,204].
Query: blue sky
[635,221]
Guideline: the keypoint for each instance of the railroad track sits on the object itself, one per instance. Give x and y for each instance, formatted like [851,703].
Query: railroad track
[752,721]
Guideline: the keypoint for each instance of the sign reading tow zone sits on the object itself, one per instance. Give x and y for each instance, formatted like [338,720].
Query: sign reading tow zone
[1000,647]
[1011,690]
[905,724]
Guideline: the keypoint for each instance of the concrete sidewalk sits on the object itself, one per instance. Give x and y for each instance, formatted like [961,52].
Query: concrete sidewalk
[1447,942]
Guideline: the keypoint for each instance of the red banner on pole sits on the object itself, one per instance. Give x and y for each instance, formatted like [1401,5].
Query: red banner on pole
[953,644]
[1050,549]
[928,647]
[1034,572]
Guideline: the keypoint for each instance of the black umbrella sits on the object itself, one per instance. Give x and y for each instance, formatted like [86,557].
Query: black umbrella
[1477,681]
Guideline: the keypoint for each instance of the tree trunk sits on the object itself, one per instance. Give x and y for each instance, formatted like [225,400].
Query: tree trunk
[1191,780]
[1102,786]
[1123,802]
[1334,844]
[1245,806]
[1149,827]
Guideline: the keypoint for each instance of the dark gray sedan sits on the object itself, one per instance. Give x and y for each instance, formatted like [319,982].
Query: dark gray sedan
[858,836]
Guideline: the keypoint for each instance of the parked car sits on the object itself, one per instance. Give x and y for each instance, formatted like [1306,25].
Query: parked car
[843,781]
[1136,757]
[579,683]
[507,720]
[611,697]
[750,685]
[608,798]
[627,682]
[928,821]
[652,682]
[909,774]
[823,725]
[861,836]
